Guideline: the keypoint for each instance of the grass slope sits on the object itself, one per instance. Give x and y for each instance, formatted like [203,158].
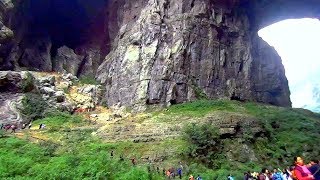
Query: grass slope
[68,149]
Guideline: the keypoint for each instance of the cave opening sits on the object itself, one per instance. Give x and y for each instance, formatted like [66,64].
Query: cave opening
[296,41]
[70,23]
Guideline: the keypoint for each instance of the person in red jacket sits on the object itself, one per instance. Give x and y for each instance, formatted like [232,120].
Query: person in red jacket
[301,171]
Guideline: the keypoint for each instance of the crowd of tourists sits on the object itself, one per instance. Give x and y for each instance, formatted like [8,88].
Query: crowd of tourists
[15,127]
[299,171]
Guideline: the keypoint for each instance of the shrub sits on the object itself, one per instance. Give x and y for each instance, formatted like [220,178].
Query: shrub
[88,80]
[2,133]
[33,106]
[204,141]
[28,83]
[49,148]
[200,94]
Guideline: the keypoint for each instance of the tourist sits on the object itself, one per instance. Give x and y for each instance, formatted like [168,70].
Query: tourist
[179,172]
[199,177]
[264,175]
[111,154]
[286,174]
[13,128]
[277,175]
[301,171]
[230,177]
[315,169]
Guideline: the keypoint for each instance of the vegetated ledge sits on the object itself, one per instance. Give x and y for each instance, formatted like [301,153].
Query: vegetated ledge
[264,136]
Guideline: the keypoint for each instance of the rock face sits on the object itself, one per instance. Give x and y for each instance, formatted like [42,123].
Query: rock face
[39,50]
[10,81]
[157,51]
[176,51]
[67,61]
[45,36]
[55,89]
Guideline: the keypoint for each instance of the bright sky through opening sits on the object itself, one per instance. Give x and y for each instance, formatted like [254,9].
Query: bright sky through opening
[298,43]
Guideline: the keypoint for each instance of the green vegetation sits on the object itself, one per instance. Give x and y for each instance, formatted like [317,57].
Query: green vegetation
[33,106]
[56,121]
[28,83]
[81,160]
[204,142]
[285,133]
[66,90]
[88,80]
[201,108]
[70,149]
[197,90]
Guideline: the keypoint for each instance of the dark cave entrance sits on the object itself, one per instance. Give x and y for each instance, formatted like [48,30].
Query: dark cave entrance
[73,23]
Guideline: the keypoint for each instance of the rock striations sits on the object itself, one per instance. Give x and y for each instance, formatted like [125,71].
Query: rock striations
[169,52]
[153,52]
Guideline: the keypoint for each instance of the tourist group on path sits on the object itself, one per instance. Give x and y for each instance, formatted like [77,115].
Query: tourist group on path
[15,127]
[299,171]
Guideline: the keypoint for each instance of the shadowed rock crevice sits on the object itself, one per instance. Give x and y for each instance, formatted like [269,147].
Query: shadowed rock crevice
[43,27]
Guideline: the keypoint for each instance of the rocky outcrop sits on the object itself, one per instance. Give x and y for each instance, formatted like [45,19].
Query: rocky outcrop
[10,104]
[11,84]
[58,91]
[67,61]
[269,83]
[10,81]
[178,51]
[46,37]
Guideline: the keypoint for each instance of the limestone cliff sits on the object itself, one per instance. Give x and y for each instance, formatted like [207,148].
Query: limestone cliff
[152,51]
[169,52]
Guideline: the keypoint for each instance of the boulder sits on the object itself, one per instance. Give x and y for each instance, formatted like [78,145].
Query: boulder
[10,81]
[67,61]
[60,96]
[48,91]
[47,80]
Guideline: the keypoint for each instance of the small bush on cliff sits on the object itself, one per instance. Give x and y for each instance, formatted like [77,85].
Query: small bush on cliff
[28,83]
[33,106]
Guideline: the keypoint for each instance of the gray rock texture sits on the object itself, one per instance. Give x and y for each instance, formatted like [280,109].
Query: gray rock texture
[157,51]
[10,81]
[67,60]
[177,51]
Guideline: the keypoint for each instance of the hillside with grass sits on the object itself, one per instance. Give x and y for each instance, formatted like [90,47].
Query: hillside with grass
[211,138]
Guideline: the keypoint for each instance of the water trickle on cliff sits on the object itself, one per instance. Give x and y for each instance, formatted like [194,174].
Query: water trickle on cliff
[297,42]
